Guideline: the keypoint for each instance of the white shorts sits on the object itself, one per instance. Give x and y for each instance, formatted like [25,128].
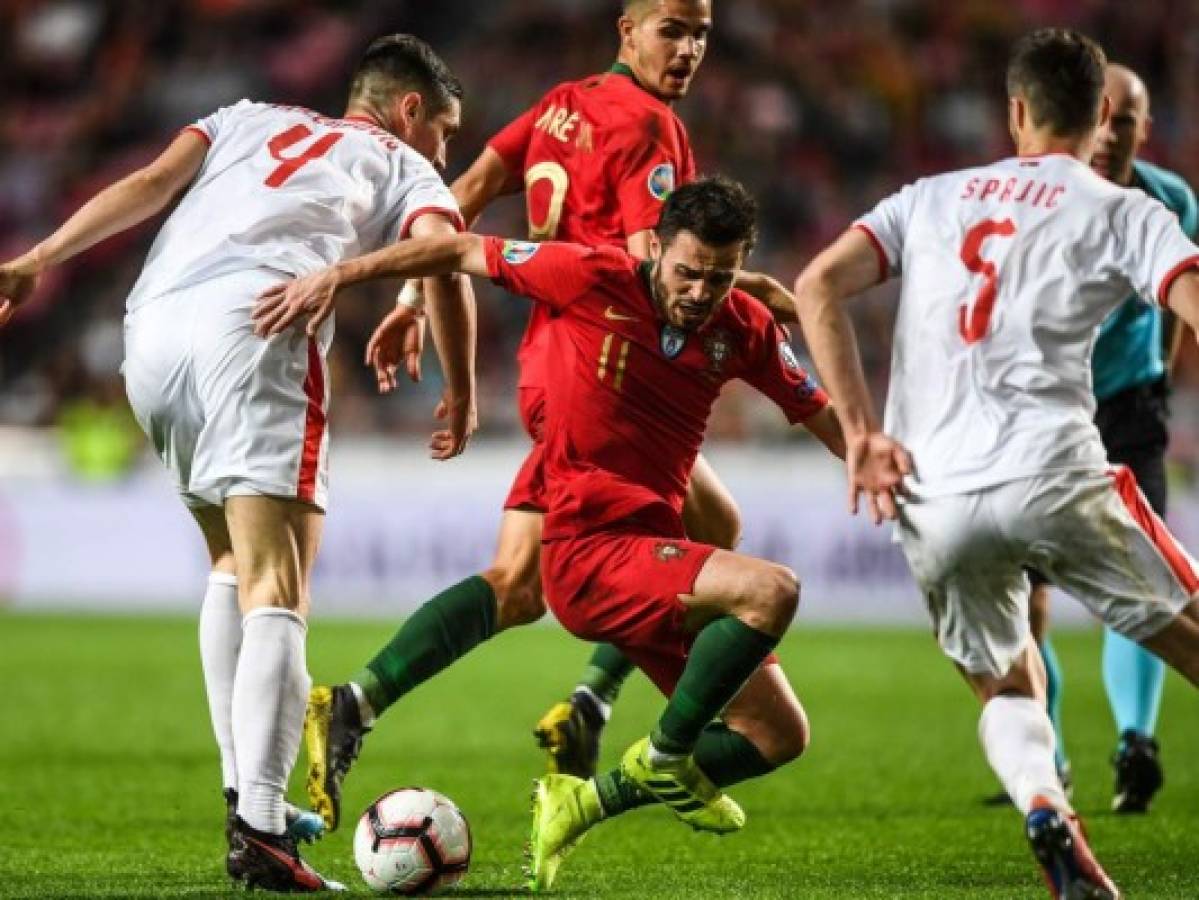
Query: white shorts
[227,412]
[1092,534]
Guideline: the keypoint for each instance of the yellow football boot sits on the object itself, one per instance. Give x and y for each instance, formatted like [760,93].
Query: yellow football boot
[564,807]
[684,789]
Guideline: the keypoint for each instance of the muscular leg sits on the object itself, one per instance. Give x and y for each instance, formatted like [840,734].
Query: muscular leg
[741,606]
[1038,618]
[220,636]
[461,617]
[710,513]
[1016,733]
[1178,643]
[710,516]
[274,543]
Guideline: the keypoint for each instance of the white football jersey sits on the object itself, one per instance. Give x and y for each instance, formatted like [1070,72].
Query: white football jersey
[287,189]
[1008,271]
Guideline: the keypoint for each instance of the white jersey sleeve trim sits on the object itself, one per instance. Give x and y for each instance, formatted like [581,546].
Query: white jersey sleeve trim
[1163,288]
[884,265]
[453,215]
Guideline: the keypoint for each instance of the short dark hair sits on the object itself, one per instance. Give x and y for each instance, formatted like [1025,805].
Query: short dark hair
[717,210]
[401,62]
[1059,73]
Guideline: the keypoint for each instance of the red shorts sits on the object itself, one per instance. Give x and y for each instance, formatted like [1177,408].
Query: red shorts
[623,588]
[528,489]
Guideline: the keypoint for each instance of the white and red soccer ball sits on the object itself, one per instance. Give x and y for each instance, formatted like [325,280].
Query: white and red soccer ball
[412,841]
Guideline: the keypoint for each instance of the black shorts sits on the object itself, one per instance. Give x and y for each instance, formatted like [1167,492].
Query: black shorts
[1133,426]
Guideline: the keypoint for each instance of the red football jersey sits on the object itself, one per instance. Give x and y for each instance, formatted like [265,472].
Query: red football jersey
[628,395]
[598,157]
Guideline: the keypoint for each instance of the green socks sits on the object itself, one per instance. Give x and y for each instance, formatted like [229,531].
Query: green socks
[724,755]
[446,628]
[606,672]
[728,757]
[725,653]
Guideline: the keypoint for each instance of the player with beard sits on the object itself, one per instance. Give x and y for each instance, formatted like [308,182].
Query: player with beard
[639,353]
[596,159]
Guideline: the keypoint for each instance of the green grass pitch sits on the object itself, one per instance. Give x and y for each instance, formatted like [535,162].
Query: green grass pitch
[109,783]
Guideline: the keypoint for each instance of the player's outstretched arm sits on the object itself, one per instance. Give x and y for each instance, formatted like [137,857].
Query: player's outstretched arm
[122,205]
[876,463]
[312,297]
[779,300]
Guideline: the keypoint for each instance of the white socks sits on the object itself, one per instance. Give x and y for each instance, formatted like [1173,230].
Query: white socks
[220,641]
[270,693]
[1017,737]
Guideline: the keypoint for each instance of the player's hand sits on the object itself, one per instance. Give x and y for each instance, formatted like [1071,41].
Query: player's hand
[18,281]
[310,297]
[461,418]
[398,338]
[877,466]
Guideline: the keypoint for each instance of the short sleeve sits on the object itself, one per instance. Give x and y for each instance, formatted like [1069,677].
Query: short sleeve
[776,372]
[419,191]
[648,171]
[210,126]
[554,273]
[886,225]
[512,141]
[1154,250]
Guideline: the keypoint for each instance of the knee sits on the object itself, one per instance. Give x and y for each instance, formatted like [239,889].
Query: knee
[518,596]
[774,601]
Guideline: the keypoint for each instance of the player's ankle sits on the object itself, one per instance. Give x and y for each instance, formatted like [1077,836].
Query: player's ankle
[366,712]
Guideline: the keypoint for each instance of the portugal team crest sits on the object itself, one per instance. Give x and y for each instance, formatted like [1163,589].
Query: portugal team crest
[517,252]
[672,341]
[718,347]
[661,181]
[668,551]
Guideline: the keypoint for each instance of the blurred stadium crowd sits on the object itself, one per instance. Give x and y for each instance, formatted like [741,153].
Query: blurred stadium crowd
[821,107]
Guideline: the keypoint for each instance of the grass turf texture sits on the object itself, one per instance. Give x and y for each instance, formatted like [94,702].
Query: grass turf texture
[110,783]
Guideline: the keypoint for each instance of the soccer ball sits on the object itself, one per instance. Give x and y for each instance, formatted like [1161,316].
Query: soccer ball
[412,841]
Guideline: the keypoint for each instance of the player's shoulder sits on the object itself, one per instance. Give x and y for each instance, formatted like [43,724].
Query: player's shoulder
[613,259]
[744,312]
[1167,186]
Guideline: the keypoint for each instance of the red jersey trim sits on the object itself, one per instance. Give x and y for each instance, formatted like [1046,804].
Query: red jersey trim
[884,265]
[453,215]
[199,132]
[1164,288]
[1154,528]
[314,425]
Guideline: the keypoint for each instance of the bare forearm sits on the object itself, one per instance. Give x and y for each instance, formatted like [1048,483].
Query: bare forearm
[831,342]
[452,321]
[417,257]
[779,300]
[116,208]
[124,204]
